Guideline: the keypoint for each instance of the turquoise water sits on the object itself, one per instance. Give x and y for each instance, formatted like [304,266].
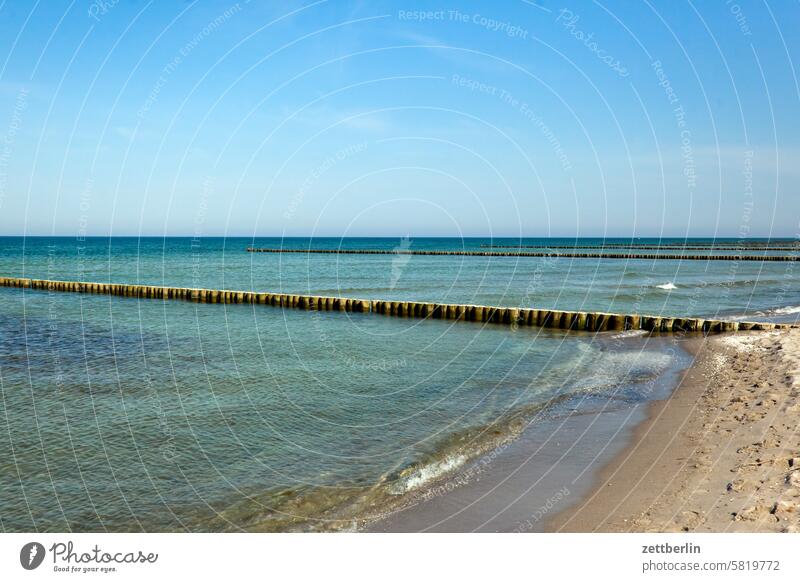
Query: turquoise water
[767,290]
[126,415]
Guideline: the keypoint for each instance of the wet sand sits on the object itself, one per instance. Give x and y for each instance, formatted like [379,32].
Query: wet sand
[721,454]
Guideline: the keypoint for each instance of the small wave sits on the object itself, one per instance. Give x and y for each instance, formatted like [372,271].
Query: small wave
[622,367]
[768,313]
[667,286]
[760,282]
[630,333]
[788,310]
[422,475]
[747,316]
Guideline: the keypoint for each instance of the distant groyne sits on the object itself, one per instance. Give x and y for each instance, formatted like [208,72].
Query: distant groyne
[652,247]
[622,256]
[513,316]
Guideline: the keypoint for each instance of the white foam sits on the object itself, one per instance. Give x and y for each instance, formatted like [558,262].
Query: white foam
[618,367]
[746,343]
[430,472]
[630,333]
[788,310]
[747,316]
[667,286]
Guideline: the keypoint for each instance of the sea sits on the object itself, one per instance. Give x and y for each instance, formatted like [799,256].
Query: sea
[125,414]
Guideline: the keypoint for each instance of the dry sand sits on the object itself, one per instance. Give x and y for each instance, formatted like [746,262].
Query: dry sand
[721,454]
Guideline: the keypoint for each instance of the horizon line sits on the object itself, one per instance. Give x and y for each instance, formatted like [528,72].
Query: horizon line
[487,236]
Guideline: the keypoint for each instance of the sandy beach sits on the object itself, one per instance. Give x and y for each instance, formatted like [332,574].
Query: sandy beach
[721,454]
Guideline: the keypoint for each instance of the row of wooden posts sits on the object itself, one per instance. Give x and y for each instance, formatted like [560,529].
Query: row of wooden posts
[623,256]
[651,247]
[567,320]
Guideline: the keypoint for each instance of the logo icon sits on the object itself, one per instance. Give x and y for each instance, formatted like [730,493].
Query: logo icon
[31,555]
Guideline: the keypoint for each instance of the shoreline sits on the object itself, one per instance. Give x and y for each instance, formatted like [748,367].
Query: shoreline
[721,454]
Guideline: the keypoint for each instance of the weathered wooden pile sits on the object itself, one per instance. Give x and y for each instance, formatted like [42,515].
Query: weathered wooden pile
[553,255]
[566,320]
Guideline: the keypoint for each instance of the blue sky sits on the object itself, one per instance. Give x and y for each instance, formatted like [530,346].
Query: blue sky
[393,118]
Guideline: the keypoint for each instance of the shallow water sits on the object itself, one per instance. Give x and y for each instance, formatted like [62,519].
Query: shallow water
[122,414]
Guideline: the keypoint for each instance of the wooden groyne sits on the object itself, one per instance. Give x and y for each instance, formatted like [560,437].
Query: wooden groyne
[621,256]
[566,320]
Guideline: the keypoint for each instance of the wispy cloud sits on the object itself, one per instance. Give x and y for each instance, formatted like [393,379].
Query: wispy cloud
[462,57]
